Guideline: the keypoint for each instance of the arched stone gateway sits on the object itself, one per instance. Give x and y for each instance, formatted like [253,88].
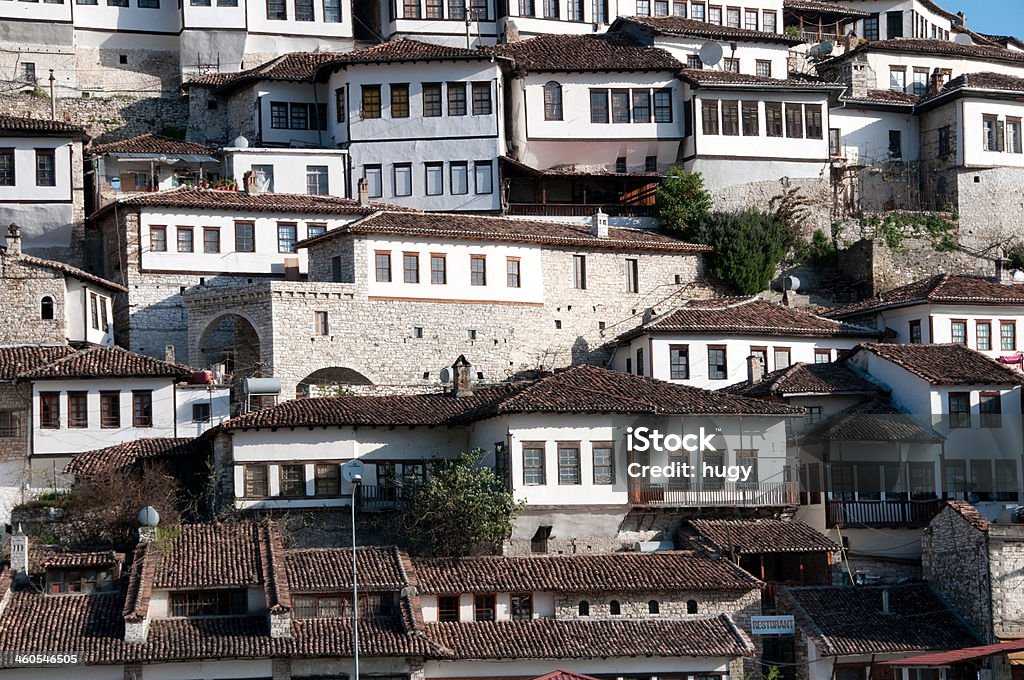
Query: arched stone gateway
[231,340]
[329,381]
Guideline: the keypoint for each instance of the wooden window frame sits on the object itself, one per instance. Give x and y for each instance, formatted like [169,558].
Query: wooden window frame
[977,336]
[671,365]
[952,336]
[377,269]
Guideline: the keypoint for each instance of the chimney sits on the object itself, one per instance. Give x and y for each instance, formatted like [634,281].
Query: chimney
[364,191]
[14,240]
[935,82]
[462,386]
[251,183]
[858,77]
[885,602]
[599,225]
[754,368]
[169,354]
[19,555]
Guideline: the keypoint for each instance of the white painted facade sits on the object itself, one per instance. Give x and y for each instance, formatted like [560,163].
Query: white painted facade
[934,26]
[194,402]
[864,133]
[973,147]
[89,316]
[883,61]
[443,22]
[289,168]
[632,667]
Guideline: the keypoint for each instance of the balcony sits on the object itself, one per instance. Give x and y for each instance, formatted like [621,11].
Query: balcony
[373,498]
[580,209]
[770,494]
[898,513]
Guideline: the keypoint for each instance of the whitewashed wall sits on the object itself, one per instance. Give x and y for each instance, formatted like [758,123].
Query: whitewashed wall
[289,167]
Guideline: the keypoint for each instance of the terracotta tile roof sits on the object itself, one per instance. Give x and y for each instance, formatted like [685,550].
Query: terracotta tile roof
[946,364]
[873,421]
[41,559]
[981,81]
[709,78]
[330,569]
[128,454]
[240,201]
[589,52]
[747,316]
[276,587]
[139,586]
[294,66]
[564,675]
[22,358]
[150,142]
[845,620]
[885,97]
[760,536]
[1005,40]
[969,513]
[591,639]
[38,127]
[210,555]
[938,47]
[68,270]
[406,49]
[673,25]
[801,378]
[823,8]
[949,289]
[106,362]
[579,389]
[506,229]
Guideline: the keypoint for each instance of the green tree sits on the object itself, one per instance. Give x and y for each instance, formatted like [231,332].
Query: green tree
[748,247]
[462,509]
[682,201]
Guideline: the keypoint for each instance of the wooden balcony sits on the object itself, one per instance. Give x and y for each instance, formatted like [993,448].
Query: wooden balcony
[898,513]
[580,209]
[373,498]
[765,494]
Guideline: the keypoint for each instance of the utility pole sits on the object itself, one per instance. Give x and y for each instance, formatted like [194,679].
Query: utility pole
[469,18]
[53,102]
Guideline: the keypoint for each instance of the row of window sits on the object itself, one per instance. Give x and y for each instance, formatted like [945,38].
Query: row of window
[45,162]
[141,4]
[621,106]
[60,581]
[277,10]
[921,77]
[484,607]
[990,409]
[1001,134]
[461,99]
[718,365]
[433,178]
[97,312]
[372,606]
[922,28]
[245,237]
[78,409]
[298,116]
[535,468]
[794,121]
[982,334]
[292,481]
[734,17]
[551,9]
[479,10]
[987,480]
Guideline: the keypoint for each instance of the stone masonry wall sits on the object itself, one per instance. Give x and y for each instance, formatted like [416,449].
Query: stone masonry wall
[1006,560]
[816,193]
[740,606]
[24,287]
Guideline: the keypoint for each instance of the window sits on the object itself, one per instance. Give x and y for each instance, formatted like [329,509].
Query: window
[813,415]
[211,239]
[1013,140]
[110,410]
[898,78]
[781,358]
[763,67]
[579,272]
[303,10]
[327,479]
[374,180]
[483,607]
[7,167]
[448,608]
[620,164]
[991,409]
[794,121]
[983,333]
[94,308]
[598,106]
[527,8]
[185,241]
[482,176]
[822,356]
[773,119]
[78,409]
[198,603]
[915,332]
[568,463]
[575,10]
[49,410]
[478,270]
[287,235]
[691,606]
[434,178]
[411,9]
[370,107]
[293,480]
[435,9]
[584,608]
[403,179]
[679,362]
[1007,336]
[751,119]
[640,361]
[314,230]
[533,464]
[411,267]
[552,101]
[895,144]
[478,10]
[871,27]
[142,408]
[620,106]
[458,176]
[714,13]
[835,146]
[697,11]
[336,273]
[632,275]
[382,263]
[750,19]
[482,99]
[456,9]
[643,7]
[321,326]
[731,64]
[522,606]
[920,85]
[652,607]
[456,99]
[332,11]
[945,146]
[894,24]
[604,462]
[316,180]
[663,106]
[730,117]
[717,367]
[277,10]
[709,116]
[512,272]
[298,116]
[958,331]
[46,308]
[201,412]
[959,409]
[693,61]
[769,23]
[46,168]
[641,106]
[438,268]
[245,237]
[614,608]
[812,119]
[661,8]
[431,100]
[158,239]
[265,176]
[339,105]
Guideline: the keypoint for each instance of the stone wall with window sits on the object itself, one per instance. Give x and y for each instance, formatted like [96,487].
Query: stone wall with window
[671,605]
[36,303]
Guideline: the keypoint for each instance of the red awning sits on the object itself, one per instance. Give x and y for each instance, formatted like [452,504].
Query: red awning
[957,655]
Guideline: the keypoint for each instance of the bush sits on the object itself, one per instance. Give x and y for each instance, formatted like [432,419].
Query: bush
[682,201]
[748,247]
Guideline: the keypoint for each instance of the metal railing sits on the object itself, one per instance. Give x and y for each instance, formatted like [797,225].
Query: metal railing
[722,495]
[901,512]
[580,209]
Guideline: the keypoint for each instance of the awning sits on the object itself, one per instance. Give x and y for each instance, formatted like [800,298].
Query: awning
[965,654]
[163,158]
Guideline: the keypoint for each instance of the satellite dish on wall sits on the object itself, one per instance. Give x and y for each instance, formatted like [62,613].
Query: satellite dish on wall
[240,142]
[711,53]
[963,39]
[447,374]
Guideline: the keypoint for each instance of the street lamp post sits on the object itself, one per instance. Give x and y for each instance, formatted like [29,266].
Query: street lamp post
[356,481]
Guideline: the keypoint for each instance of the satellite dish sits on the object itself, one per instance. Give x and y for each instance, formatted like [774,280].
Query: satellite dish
[1018,276]
[447,374]
[791,283]
[711,53]
[963,39]
[240,142]
[352,469]
[821,50]
[149,517]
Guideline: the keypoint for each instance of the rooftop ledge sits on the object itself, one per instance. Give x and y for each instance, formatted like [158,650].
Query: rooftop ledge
[298,151]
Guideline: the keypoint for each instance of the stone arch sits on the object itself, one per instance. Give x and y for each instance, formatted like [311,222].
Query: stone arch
[329,380]
[231,339]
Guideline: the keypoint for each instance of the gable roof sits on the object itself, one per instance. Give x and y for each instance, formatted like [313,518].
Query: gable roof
[875,420]
[293,66]
[746,316]
[833,378]
[11,126]
[823,8]
[946,48]
[609,51]
[486,228]
[23,358]
[673,25]
[845,620]
[578,389]
[130,453]
[406,50]
[329,570]
[662,571]
[762,536]
[729,79]
[105,362]
[984,84]
[948,289]
[152,143]
[946,364]
[968,512]
[68,270]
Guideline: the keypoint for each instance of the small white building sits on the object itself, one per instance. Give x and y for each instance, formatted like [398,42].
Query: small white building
[150,162]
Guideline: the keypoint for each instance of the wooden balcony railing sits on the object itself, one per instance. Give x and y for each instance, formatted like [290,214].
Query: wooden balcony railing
[580,209]
[722,495]
[376,498]
[902,513]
